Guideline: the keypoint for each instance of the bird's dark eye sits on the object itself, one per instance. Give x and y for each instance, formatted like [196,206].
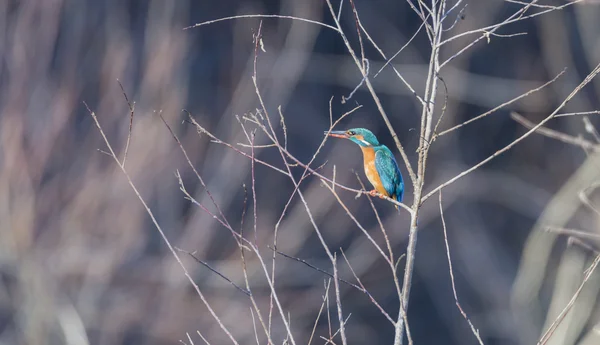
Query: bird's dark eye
[351,133]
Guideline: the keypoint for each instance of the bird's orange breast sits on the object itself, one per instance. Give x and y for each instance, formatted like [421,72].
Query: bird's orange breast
[371,170]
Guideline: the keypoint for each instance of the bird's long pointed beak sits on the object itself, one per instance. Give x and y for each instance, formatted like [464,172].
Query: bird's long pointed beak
[338,134]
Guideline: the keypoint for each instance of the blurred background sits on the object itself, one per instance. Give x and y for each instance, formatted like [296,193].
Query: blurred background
[81,262]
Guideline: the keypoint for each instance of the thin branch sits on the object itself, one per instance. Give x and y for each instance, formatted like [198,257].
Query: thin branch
[535,5]
[593,112]
[338,302]
[360,42]
[451,270]
[362,81]
[283,126]
[331,336]
[365,232]
[205,264]
[202,130]
[273,137]
[588,273]
[489,30]
[254,326]
[422,15]
[189,197]
[320,270]
[573,232]
[389,61]
[550,133]
[158,227]
[365,289]
[202,337]
[254,204]
[589,127]
[340,14]
[267,146]
[459,16]
[261,16]
[131,111]
[325,297]
[587,79]
[222,218]
[532,91]
[381,227]
[439,121]
[576,241]
[584,197]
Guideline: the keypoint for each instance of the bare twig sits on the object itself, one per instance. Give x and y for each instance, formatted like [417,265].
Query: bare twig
[202,337]
[587,79]
[488,30]
[521,96]
[389,61]
[365,289]
[254,205]
[550,133]
[473,329]
[360,42]
[588,273]
[254,326]
[325,297]
[589,127]
[593,112]
[584,197]
[205,264]
[320,270]
[158,227]
[202,130]
[534,5]
[573,232]
[261,16]
[381,227]
[365,232]
[131,111]
[222,218]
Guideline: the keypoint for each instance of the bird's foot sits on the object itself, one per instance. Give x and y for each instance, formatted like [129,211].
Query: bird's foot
[374,192]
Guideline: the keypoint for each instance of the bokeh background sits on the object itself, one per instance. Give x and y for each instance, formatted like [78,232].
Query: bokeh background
[81,262]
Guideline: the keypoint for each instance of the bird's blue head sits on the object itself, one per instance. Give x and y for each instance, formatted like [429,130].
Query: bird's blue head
[361,136]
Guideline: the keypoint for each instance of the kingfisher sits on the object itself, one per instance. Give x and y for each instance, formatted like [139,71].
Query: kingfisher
[380,164]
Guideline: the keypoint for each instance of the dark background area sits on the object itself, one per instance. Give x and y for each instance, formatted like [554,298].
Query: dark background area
[81,262]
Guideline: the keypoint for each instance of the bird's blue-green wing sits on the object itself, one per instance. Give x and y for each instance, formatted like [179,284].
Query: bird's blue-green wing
[389,173]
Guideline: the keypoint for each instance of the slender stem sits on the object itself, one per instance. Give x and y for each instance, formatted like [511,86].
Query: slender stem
[425,137]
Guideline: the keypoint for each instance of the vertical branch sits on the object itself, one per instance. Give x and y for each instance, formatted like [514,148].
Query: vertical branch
[131,112]
[424,139]
[451,270]
[407,283]
[252,136]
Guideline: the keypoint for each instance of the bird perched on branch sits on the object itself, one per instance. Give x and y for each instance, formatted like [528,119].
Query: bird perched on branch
[381,167]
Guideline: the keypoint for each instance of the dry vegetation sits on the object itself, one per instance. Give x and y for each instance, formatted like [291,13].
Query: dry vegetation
[125,220]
